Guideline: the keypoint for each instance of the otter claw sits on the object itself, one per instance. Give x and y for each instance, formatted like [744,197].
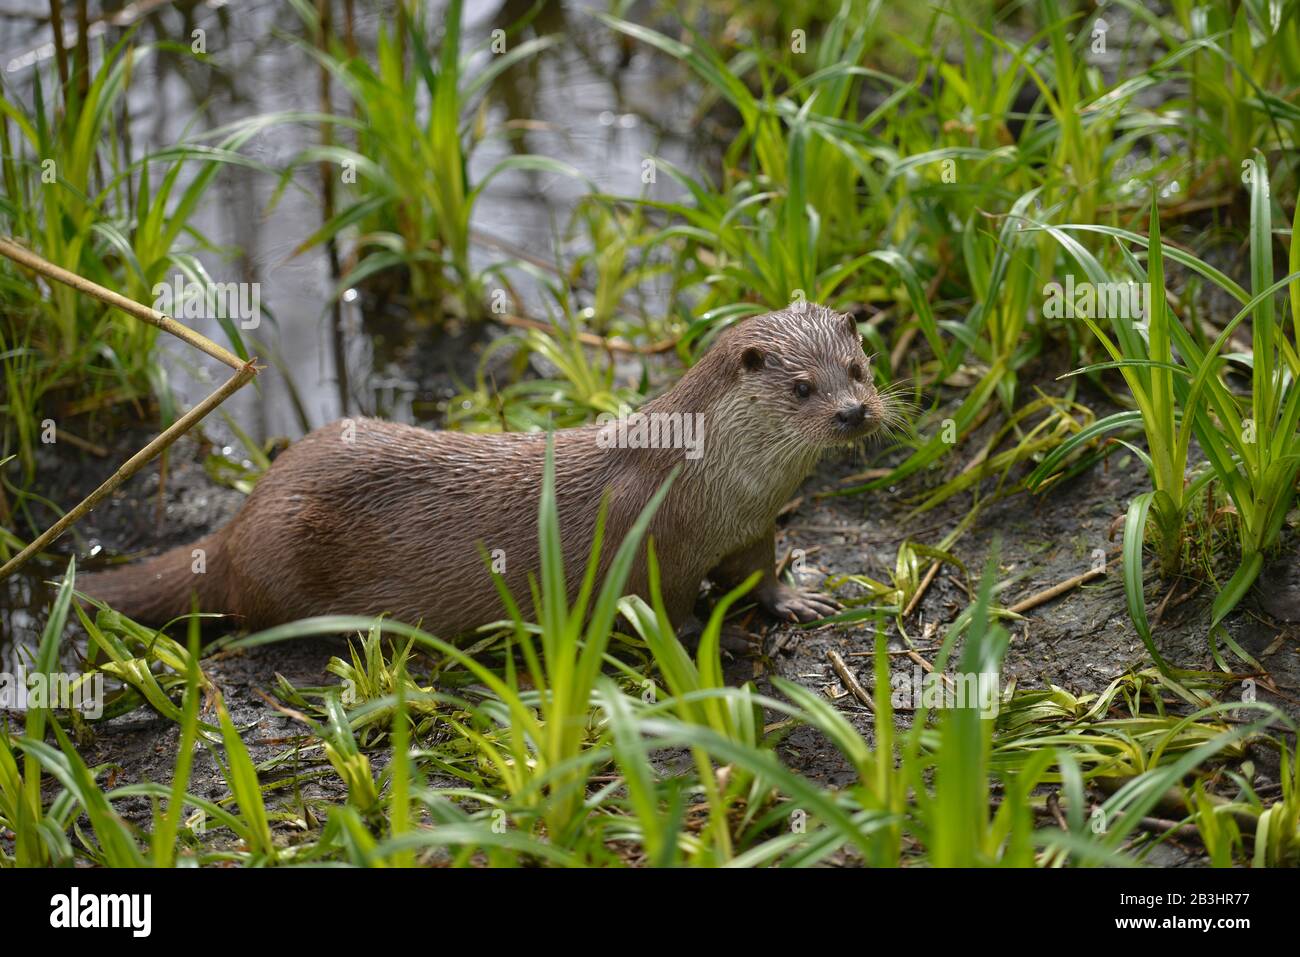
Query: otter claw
[802,607]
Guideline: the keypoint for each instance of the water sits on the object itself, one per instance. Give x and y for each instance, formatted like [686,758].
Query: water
[589,111]
[602,107]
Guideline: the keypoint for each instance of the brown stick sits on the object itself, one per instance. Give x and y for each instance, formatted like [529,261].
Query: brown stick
[183,332]
[920,591]
[244,371]
[1173,804]
[846,676]
[349,32]
[133,465]
[324,9]
[859,477]
[925,665]
[1047,594]
[80,443]
[81,63]
[60,54]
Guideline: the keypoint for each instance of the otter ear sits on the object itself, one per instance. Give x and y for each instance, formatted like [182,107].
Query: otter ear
[851,324]
[752,358]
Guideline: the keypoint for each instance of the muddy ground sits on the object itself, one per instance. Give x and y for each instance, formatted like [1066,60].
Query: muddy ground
[1080,641]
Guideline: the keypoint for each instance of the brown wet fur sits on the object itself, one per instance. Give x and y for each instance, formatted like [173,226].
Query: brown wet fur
[364,516]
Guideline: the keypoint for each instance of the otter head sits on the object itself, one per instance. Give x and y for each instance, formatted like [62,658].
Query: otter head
[806,370]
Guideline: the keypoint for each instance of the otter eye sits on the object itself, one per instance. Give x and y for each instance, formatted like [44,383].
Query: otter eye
[855,372]
[803,388]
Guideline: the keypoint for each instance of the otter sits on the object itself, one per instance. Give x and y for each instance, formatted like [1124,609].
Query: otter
[365,516]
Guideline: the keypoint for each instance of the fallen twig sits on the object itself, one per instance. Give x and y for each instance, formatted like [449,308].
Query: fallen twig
[1047,594]
[848,680]
[131,466]
[920,591]
[83,444]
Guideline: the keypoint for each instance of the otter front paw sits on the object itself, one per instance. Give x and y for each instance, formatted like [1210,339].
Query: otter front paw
[792,604]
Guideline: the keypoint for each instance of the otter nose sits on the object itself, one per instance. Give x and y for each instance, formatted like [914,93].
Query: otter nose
[852,415]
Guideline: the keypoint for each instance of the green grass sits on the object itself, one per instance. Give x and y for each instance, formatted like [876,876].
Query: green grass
[409,200]
[75,193]
[548,756]
[763,235]
[930,169]
[1250,446]
[582,386]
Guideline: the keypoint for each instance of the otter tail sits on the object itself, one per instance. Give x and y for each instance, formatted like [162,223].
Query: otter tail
[160,589]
